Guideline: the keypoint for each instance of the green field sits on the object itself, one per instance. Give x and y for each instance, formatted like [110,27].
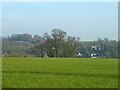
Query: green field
[59,73]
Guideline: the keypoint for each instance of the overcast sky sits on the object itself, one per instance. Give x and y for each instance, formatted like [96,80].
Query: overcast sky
[88,20]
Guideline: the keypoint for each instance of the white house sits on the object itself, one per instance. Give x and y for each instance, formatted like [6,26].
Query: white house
[93,55]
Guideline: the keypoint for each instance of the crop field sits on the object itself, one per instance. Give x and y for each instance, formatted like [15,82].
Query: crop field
[59,73]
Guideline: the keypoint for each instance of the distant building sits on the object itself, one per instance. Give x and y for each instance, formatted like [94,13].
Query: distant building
[94,47]
[53,48]
[78,55]
[93,55]
[45,55]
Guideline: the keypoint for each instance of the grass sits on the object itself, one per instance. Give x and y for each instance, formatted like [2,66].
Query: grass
[59,73]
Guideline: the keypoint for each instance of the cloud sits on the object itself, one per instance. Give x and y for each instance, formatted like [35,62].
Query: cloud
[12,17]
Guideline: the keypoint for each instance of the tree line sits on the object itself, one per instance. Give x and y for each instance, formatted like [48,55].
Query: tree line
[59,44]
